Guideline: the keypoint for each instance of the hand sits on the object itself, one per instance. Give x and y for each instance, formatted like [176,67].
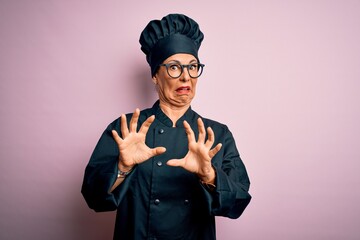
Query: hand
[132,147]
[198,158]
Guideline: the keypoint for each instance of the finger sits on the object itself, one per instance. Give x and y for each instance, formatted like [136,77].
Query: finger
[189,132]
[116,137]
[202,133]
[215,150]
[134,120]
[175,162]
[211,137]
[124,126]
[145,126]
[158,150]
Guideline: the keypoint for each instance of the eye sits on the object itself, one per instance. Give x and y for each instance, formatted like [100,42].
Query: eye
[193,67]
[174,67]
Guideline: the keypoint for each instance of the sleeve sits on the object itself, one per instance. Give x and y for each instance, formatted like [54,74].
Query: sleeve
[231,196]
[101,173]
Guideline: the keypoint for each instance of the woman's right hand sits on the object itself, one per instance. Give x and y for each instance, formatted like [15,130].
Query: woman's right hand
[132,147]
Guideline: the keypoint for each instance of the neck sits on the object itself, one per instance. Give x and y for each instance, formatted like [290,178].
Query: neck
[174,112]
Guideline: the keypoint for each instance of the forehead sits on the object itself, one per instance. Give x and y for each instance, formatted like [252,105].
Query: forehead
[181,57]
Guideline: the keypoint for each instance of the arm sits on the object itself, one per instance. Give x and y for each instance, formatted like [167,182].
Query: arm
[230,197]
[116,152]
[101,173]
[220,170]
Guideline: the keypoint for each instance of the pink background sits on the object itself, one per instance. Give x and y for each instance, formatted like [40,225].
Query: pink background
[283,75]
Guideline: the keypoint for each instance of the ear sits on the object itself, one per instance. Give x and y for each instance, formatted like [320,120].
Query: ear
[154,79]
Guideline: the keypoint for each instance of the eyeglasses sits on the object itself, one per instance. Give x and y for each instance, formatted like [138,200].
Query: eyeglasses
[176,69]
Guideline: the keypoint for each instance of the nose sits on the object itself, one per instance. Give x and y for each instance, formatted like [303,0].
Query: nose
[185,76]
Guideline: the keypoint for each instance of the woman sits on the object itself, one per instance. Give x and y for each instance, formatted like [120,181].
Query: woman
[167,171]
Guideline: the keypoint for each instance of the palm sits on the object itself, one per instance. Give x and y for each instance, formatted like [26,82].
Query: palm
[132,147]
[198,158]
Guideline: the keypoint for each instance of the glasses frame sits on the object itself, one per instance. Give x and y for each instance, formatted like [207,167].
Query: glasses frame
[167,65]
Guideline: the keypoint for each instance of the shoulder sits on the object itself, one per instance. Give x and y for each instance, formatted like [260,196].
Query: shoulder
[218,127]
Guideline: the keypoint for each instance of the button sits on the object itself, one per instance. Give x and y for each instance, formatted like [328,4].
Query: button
[157,201]
[159,163]
[186,201]
[161,131]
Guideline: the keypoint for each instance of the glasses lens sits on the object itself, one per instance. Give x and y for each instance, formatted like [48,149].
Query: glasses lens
[174,70]
[195,70]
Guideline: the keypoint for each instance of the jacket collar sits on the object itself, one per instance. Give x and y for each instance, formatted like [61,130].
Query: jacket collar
[190,116]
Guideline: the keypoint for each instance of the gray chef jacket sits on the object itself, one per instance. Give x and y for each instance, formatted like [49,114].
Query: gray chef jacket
[156,201]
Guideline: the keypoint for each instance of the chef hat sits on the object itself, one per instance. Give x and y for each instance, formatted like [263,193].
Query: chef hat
[174,33]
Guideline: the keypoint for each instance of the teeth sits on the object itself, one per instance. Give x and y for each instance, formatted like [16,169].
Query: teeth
[183,88]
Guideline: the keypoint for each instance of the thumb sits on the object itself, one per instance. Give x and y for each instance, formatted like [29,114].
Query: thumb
[158,150]
[215,150]
[175,163]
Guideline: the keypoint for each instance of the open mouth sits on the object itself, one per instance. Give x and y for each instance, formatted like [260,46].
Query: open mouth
[183,89]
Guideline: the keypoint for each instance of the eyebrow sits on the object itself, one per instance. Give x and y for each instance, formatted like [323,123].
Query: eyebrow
[177,61]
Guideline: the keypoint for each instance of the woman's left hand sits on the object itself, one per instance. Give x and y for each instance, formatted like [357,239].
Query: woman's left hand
[198,158]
